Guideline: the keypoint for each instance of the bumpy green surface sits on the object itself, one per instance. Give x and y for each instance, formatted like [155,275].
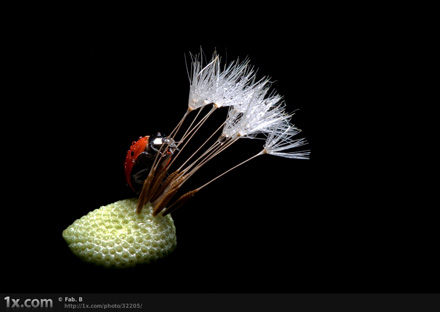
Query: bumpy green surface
[115,236]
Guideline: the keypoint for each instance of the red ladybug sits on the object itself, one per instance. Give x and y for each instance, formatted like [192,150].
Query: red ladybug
[140,158]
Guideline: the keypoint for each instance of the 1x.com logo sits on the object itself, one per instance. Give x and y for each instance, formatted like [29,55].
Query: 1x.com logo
[28,303]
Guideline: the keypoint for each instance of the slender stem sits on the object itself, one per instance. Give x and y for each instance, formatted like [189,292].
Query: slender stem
[189,127]
[236,166]
[151,175]
[202,145]
[205,154]
[199,124]
[185,197]
[193,131]
[213,153]
[172,135]
[177,128]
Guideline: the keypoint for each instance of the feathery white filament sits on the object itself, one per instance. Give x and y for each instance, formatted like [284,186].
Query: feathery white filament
[279,142]
[210,84]
[259,115]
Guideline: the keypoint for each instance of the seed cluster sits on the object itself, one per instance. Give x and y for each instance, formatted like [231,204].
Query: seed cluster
[116,236]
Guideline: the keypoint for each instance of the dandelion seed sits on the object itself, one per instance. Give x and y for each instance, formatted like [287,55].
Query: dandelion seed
[280,143]
[259,115]
[209,84]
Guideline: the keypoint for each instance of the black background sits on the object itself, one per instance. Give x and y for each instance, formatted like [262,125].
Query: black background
[84,88]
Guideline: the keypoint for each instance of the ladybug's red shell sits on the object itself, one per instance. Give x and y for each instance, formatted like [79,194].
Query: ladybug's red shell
[136,148]
[141,156]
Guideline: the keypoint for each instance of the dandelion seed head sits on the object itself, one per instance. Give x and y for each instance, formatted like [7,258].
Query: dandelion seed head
[280,142]
[212,84]
[258,115]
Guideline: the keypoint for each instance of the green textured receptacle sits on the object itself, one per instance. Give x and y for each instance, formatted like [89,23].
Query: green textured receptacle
[116,236]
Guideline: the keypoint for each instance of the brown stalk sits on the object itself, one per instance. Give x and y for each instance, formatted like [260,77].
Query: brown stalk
[176,183]
[148,189]
[158,207]
[155,184]
[182,200]
[165,185]
[144,191]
